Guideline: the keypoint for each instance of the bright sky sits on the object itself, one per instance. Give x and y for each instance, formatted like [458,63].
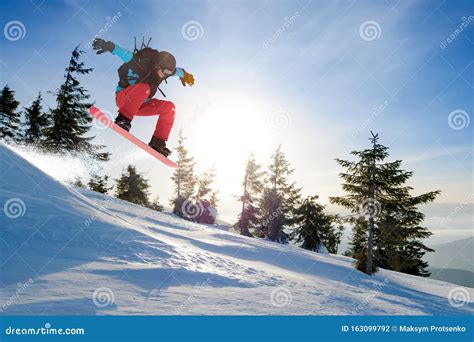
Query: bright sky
[315,76]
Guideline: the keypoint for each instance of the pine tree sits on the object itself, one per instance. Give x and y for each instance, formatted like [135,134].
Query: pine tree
[253,187]
[333,240]
[156,205]
[133,187]
[99,184]
[386,221]
[9,117]
[204,182]
[314,228]
[70,119]
[78,182]
[183,177]
[35,122]
[213,200]
[206,199]
[280,198]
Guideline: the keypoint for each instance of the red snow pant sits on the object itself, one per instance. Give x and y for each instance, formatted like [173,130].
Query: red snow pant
[131,102]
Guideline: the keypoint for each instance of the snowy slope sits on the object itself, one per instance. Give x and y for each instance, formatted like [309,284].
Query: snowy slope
[78,252]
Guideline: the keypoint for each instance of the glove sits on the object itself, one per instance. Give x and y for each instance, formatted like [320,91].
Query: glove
[187,79]
[102,46]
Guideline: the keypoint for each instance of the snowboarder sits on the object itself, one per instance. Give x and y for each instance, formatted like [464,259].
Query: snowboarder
[139,79]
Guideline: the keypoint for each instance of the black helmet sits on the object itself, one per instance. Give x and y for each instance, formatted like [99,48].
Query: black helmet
[165,61]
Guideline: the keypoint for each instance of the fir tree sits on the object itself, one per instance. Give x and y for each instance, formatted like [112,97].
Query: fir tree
[386,221]
[279,199]
[204,182]
[213,200]
[156,205]
[206,198]
[253,187]
[314,228]
[78,183]
[70,119]
[133,187]
[35,122]
[9,117]
[99,184]
[183,176]
[333,239]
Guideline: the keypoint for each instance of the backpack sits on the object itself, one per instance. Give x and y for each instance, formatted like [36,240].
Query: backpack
[142,61]
[142,65]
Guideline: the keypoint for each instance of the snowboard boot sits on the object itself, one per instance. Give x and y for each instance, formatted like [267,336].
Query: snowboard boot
[159,145]
[123,122]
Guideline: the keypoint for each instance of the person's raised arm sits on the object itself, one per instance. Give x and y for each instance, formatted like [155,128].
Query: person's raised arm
[102,46]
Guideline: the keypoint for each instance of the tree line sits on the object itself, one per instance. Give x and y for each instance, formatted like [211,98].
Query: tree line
[386,224]
[60,129]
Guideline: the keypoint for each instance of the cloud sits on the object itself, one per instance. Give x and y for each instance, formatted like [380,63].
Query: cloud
[437,153]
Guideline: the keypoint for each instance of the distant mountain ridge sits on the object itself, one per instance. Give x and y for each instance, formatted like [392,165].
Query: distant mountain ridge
[453,262]
[455,276]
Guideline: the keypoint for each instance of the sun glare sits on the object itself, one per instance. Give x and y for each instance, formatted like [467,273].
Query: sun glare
[231,127]
[226,130]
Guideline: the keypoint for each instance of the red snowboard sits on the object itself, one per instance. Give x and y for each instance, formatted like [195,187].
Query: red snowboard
[104,120]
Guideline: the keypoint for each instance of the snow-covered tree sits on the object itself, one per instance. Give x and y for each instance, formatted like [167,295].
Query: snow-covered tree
[386,220]
[70,119]
[252,190]
[133,187]
[9,116]
[35,122]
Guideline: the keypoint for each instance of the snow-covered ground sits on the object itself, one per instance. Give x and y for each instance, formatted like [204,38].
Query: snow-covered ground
[65,250]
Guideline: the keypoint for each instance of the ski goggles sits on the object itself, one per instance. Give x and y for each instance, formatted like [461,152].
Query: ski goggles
[168,72]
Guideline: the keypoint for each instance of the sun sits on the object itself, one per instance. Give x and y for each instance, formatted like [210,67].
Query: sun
[227,129]
[231,127]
